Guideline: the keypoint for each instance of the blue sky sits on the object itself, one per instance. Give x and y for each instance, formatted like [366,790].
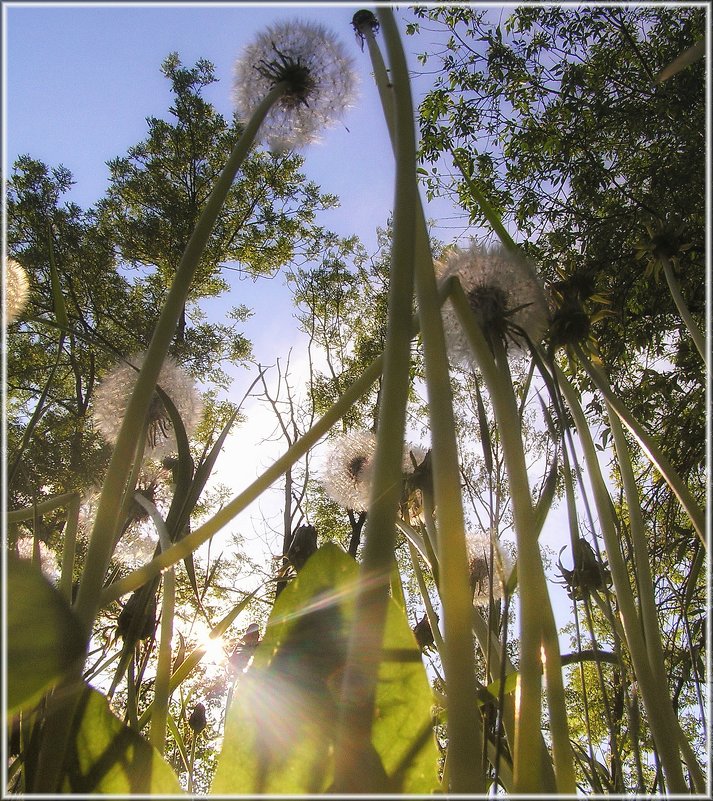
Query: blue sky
[81,79]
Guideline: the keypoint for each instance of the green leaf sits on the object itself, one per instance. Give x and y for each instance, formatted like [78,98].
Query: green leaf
[110,758]
[44,639]
[280,728]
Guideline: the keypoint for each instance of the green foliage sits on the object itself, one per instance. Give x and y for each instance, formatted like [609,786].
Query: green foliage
[281,723]
[107,757]
[43,636]
[563,131]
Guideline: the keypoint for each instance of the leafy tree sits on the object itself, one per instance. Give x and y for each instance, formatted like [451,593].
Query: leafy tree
[158,189]
[555,116]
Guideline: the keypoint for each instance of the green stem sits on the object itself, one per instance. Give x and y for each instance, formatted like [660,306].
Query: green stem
[652,695]
[650,448]
[430,612]
[537,624]
[356,708]
[159,713]
[464,722]
[696,334]
[647,598]
[102,539]
[70,542]
[488,211]
[39,509]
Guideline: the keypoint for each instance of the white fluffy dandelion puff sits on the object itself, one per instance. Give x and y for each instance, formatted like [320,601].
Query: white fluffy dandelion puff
[479,567]
[321,82]
[114,392]
[349,469]
[504,293]
[17,290]
[48,558]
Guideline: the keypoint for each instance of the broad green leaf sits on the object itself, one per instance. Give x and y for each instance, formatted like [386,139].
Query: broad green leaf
[280,728]
[44,638]
[110,758]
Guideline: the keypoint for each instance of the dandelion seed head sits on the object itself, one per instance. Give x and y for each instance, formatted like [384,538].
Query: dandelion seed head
[504,293]
[48,558]
[17,290]
[136,546]
[114,392]
[349,469]
[320,76]
[478,549]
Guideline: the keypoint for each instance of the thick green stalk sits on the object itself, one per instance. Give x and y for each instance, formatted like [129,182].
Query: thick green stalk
[654,454]
[159,713]
[696,334]
[28,512]
[647,599]
[464,721]
[101,543]
[102,539]
[70,542]
[654,697]
[488,211]
[537,625]
[356,709]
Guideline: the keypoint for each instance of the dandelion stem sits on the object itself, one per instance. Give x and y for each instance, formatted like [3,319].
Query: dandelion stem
[647,599]
[102,538]
[655,455]
[664,738]
[696,334]
[537,626]
[356,709]
[464,722]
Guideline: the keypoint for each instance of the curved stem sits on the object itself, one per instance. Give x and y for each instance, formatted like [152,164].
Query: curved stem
[655,455]
[696,334]
[664,738]
[102,538]
[464,721]
[356,707]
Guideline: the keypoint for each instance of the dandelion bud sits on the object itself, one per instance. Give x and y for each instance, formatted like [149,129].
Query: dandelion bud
[424,634]
[320,82]
[17,290]
[197,721]
[245,648]
[504,294]
[364,21]
[137,618]
[303,545]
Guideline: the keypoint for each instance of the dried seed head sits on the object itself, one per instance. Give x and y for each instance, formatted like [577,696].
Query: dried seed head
[114,392]
[479,568]
[321,82]
[17,290]
[504,293]
[349,469]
